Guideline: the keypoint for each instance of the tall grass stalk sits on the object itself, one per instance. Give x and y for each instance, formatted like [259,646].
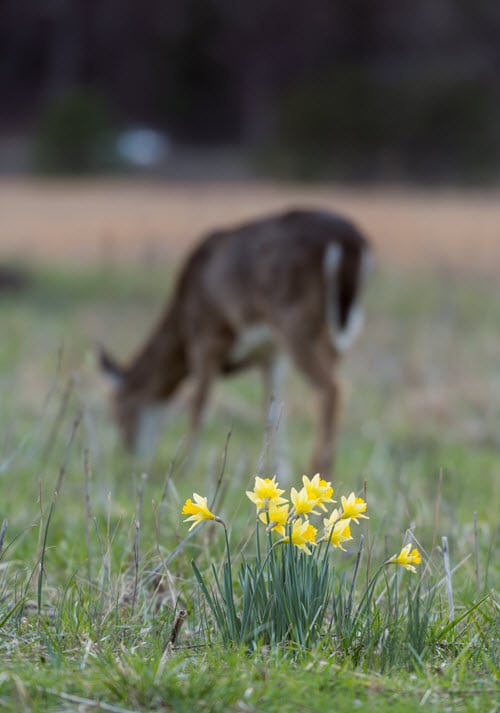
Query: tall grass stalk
[88,510]
[447,572]
[3,530]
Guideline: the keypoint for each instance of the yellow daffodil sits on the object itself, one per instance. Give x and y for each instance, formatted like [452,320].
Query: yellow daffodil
[265,492]
[319,490]
[353,507]
[331,521]
[302,503]
[336,530]
[275,517]
[341,533]
[407,558]
[303,534]
[198,511]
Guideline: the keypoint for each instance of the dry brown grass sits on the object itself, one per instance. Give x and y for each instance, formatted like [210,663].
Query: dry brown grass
[124,220]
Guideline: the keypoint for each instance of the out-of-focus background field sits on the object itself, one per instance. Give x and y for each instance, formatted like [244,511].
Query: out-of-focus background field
[103,254]
[89,221]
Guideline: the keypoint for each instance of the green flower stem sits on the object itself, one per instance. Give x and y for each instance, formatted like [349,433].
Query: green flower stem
[228,584]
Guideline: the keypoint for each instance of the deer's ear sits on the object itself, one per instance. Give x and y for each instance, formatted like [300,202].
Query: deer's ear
[109,366]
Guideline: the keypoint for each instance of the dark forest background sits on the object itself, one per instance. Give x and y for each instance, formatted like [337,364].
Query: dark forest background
[345,89]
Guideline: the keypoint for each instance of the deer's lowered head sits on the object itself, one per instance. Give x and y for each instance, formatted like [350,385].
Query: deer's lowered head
[147,381]
[126,407]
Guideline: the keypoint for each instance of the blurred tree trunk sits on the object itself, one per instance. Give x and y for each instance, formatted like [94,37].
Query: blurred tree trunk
[66,47]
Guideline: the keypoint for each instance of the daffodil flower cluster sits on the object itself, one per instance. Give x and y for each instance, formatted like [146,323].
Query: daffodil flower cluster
[290,518]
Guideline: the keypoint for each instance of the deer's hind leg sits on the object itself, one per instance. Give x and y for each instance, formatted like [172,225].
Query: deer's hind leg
[316,360]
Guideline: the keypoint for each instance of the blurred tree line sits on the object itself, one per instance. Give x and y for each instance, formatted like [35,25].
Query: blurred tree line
[355,89]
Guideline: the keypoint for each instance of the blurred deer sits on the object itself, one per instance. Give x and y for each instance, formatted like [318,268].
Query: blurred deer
[286,284]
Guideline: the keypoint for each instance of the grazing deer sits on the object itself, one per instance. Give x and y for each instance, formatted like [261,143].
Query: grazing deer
[288,283]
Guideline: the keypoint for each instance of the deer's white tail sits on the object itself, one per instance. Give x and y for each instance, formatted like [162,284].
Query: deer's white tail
[343,333]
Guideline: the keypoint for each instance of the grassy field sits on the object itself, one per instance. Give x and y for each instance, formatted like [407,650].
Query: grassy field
[90,578]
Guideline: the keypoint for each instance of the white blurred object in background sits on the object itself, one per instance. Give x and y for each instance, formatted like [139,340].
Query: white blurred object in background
[143,147]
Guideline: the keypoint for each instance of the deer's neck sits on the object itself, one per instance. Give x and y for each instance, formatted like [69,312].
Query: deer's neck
[160,366]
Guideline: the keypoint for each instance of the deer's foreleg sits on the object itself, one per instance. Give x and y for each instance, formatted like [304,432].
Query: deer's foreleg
[315,359]
[206,357]
[327,425]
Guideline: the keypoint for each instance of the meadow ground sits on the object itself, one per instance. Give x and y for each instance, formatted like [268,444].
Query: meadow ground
[90,578]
